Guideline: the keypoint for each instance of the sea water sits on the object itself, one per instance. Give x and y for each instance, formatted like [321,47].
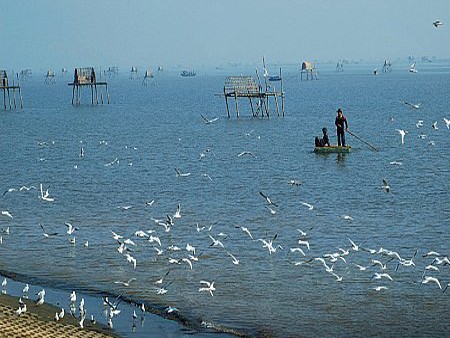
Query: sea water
[153,129]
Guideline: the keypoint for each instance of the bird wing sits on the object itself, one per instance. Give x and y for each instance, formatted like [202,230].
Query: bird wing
[204,118]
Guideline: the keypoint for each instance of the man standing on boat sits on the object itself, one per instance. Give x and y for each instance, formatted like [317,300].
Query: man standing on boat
[339,122]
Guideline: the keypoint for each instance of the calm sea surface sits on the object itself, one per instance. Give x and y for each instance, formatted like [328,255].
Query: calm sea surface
[154,129]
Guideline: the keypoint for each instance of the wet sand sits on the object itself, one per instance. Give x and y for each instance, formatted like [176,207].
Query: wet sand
[38,321]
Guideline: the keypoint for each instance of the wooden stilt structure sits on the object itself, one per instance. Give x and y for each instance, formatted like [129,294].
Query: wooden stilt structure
[310,70]
[50,77]
[86,77]
[147,77]
[8,89]
[236,87]
[134,73]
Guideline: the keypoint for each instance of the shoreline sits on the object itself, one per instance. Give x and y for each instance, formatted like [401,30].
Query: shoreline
[154,322]
[38,321]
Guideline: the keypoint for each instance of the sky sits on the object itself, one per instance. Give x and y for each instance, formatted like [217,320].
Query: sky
[51,34]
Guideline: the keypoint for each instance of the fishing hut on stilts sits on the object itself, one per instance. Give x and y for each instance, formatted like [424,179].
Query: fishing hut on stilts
[236,87]
[147,77]
[309,68]
[50,77]
[134,73]
[7,89]
[85,77]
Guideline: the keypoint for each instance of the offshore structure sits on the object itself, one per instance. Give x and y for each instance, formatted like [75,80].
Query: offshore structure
[85,77]
[309,68]
[9,89]
[236,87]
[50,77]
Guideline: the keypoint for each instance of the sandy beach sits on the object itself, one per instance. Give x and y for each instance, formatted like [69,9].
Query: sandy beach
[38,321]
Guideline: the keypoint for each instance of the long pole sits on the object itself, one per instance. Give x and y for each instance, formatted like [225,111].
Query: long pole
[359,138]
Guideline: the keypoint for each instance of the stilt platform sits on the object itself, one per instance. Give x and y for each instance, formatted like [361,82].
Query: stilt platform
[85,77]
[245,87]
[8,90]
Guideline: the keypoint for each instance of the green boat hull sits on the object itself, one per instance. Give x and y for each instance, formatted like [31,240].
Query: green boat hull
[332,150]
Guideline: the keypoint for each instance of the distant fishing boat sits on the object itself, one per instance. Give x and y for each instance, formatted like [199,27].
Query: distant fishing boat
[275,78]
[332,149]
[188,73]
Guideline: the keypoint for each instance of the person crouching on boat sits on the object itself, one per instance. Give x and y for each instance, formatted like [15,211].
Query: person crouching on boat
[324,141]
[339,122]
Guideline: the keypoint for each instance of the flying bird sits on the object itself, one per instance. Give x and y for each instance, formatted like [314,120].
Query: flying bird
[7,213]
[127,283]
[267,198]
[180,174]
[412,105]
[386,186]
[437,23]
[70,228]
[209,121]
[46,234]
[402,134]
[210,287]
[447,122]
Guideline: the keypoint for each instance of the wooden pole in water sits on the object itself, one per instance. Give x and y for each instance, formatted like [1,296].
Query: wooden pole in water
[14,98]
[282,94]
[251,104]
[236,101]
[265,106]
[4,98]
[107,93]
[226,101]
[21,101]
[276,101]
[9,99]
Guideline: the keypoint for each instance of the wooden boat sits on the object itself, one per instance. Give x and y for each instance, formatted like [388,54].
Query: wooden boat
[187,73]
[275,78]
[332,150]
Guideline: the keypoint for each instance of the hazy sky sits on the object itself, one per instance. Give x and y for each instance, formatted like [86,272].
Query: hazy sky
[67,33]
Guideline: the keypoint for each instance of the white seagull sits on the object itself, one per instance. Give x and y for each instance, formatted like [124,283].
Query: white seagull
[7,213]
[246,153]
[447,122]
[127,283]
[267,198]
[412,105]
[428,279]
[180,174]
[209,121]
[386,186]
[402,134]
[70,228]
[215,242]
[244,229]
[235,260]
[309,206]
[210,287]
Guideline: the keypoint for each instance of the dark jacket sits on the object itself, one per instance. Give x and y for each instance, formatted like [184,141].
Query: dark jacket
[339,122]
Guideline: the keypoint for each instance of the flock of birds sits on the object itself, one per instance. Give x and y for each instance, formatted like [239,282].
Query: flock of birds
[419,124]
[381,268]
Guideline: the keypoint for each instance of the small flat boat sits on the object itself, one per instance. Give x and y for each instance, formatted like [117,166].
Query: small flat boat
[187,73]
[332,150]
